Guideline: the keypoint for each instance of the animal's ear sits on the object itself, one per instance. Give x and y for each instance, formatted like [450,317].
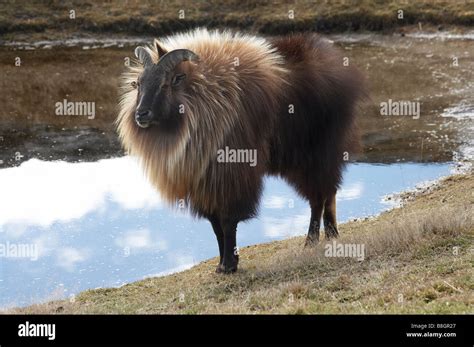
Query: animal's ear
[160,48]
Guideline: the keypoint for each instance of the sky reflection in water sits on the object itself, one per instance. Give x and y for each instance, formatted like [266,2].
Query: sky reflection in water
[100,224]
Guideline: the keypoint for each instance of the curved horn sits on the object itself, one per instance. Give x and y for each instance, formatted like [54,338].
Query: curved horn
[143,55]
[173,58]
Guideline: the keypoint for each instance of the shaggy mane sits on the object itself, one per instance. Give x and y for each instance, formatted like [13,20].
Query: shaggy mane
[228,105]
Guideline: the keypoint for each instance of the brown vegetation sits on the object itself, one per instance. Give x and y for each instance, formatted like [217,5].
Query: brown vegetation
[270,17]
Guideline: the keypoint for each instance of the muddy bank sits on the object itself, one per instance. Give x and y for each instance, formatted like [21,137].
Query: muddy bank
[50,143]
[413,68]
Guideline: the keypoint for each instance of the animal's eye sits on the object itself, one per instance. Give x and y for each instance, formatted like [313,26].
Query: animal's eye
[177,79]
[134,84]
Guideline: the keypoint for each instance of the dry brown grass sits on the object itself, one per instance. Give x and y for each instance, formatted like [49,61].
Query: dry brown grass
[418,260]
[50,18]
[399,237]
[31,90]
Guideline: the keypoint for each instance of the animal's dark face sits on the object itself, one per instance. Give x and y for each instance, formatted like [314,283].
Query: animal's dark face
[161,86]
[158,97]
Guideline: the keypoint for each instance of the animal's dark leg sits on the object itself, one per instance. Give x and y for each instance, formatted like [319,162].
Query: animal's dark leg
[231,256]
[313,231]
[216,226]
[330,223]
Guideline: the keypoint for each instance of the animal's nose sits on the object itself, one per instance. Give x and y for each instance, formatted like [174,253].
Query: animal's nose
[143,118]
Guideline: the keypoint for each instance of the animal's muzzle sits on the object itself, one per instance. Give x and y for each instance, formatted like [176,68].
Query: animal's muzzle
[143,118]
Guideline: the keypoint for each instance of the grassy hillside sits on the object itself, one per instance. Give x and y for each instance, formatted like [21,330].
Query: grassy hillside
[52,18]
[418,259]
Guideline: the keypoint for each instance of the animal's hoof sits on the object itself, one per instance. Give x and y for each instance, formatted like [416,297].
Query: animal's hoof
[223,269]
[311,241]
[331,232]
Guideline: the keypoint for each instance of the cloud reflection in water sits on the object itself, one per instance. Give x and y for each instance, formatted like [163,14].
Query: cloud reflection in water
[101,224]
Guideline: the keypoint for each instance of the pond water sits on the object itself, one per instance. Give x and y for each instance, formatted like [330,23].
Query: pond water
[85,217]
[100,224]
